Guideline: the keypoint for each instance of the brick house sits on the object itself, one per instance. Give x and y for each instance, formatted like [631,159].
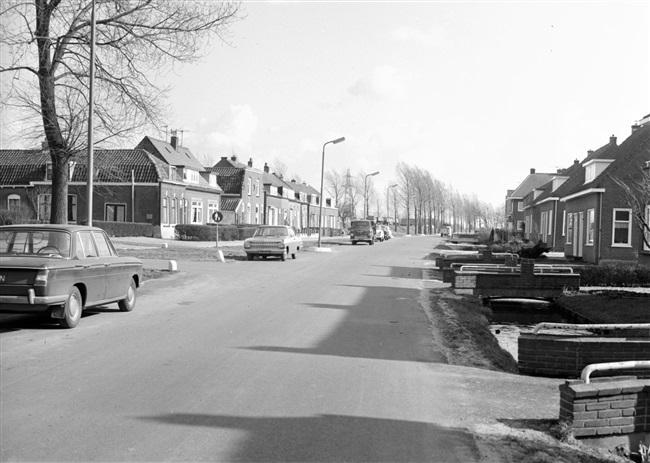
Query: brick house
[195,197]
[129,185]
[242,186]
[515,213]
[600,221]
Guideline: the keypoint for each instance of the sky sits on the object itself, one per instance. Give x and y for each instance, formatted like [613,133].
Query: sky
[477,93]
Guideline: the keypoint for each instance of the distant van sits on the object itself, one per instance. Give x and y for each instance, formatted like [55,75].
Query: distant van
[361,230]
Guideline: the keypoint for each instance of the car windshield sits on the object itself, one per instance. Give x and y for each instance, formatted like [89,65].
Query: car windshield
[53,243]
[361,225]
[271,231]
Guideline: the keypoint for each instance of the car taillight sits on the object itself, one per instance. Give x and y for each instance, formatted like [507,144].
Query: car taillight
[41,278]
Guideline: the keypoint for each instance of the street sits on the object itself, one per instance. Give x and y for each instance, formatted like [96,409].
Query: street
[325,358]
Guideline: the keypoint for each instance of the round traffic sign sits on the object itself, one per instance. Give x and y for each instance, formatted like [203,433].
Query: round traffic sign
[217,216]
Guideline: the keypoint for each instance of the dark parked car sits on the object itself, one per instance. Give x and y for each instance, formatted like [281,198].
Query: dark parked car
[273,240]
[362,230]
[62,269]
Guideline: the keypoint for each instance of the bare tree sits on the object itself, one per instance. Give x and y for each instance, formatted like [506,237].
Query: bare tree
[48,47]
[279,168]
[635,191]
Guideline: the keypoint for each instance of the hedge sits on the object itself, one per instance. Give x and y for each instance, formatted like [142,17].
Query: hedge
[620,274]
[189,232]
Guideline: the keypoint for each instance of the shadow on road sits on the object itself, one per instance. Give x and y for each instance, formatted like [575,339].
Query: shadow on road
[337,438]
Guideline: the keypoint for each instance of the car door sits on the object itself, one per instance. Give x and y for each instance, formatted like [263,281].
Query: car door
[115,272]
[94,272]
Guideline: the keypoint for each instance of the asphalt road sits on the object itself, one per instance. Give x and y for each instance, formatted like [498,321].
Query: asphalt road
[325,358]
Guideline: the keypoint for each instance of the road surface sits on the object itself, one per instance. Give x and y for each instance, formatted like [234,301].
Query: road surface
[325,358]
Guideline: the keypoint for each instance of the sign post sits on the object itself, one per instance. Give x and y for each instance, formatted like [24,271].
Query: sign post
[217,217]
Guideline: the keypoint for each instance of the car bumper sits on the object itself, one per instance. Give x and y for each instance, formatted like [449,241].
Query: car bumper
[29,303]
[265,252]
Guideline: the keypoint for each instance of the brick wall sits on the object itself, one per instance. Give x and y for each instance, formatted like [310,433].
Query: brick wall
[565,356]
[606,406]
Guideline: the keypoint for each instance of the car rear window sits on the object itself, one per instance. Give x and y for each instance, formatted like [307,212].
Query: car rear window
[33,242]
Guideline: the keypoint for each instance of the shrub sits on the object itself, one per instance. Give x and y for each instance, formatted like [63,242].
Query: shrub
[125,228]
[534,252]
[16,217]
[614,274]
[191,232]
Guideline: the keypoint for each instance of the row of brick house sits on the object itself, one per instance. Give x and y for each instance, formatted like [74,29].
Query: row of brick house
[160,183]
[588,209]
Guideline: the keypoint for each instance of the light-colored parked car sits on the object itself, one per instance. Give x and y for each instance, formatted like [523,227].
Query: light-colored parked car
[388,234]
[379,234]
[273,240]
[63,269]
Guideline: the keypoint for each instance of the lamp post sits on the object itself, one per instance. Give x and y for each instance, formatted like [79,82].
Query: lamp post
[388,201]
[322,174]
[365,194]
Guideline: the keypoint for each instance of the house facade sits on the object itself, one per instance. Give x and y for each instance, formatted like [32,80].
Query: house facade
[242,186]
[515,205]
[129,185]
[601,208]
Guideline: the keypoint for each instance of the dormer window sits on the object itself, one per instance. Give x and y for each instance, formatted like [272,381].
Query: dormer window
[595,167]
[190,175]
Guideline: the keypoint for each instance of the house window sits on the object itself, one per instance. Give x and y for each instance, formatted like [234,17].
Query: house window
[48,171]
[165,210]
[213,206]
[257,213]
[622,227]
[544,222]
[72,208]
[520,206]
[550,223]
[590,226]
[13,203]
[197,211]
[569,228]
[564,222]
[115,212]
[250,186]
[44,205]
[257,187]
[174,217]
[248,212]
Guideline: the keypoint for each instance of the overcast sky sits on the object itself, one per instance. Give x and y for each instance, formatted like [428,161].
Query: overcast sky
[475,92]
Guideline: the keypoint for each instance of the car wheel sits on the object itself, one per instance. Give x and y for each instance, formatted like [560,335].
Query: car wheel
[283,256]
[128,303]
[72,309]
[354,243]
[294,254]
[249,256]
[372,242]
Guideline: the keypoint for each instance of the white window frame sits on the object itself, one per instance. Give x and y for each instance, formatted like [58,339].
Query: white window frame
[116,206]
[550,223]
[213,206]
[564,222]
[165,210]
[196,216]
[590,227]
[44,207]
[569,228]
[627,244]
[13,203]
[257,187]
[250,186]
[520,206]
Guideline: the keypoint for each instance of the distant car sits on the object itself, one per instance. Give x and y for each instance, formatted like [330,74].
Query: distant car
[273,240]
[63,269]
[361,230]
[379,234]
[388,234]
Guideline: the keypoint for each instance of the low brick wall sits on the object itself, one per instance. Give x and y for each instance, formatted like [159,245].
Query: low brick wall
[482,257]
[606,406]
[560,356]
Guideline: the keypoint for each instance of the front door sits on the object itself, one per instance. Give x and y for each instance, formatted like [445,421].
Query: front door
[578,238]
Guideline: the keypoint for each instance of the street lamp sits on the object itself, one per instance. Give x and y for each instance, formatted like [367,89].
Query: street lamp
[365,193]
[322,174]
[388,202]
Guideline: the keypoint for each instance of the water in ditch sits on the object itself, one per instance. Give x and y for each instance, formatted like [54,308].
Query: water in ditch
[514,316]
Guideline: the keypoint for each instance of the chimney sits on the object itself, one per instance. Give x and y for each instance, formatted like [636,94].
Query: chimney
[590,152]
[233,158]
[612,140]
[250,162]
[174,141]
[293,180]
[576,162]
[532,171]
[635,127]
[224,158]
[266,168]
